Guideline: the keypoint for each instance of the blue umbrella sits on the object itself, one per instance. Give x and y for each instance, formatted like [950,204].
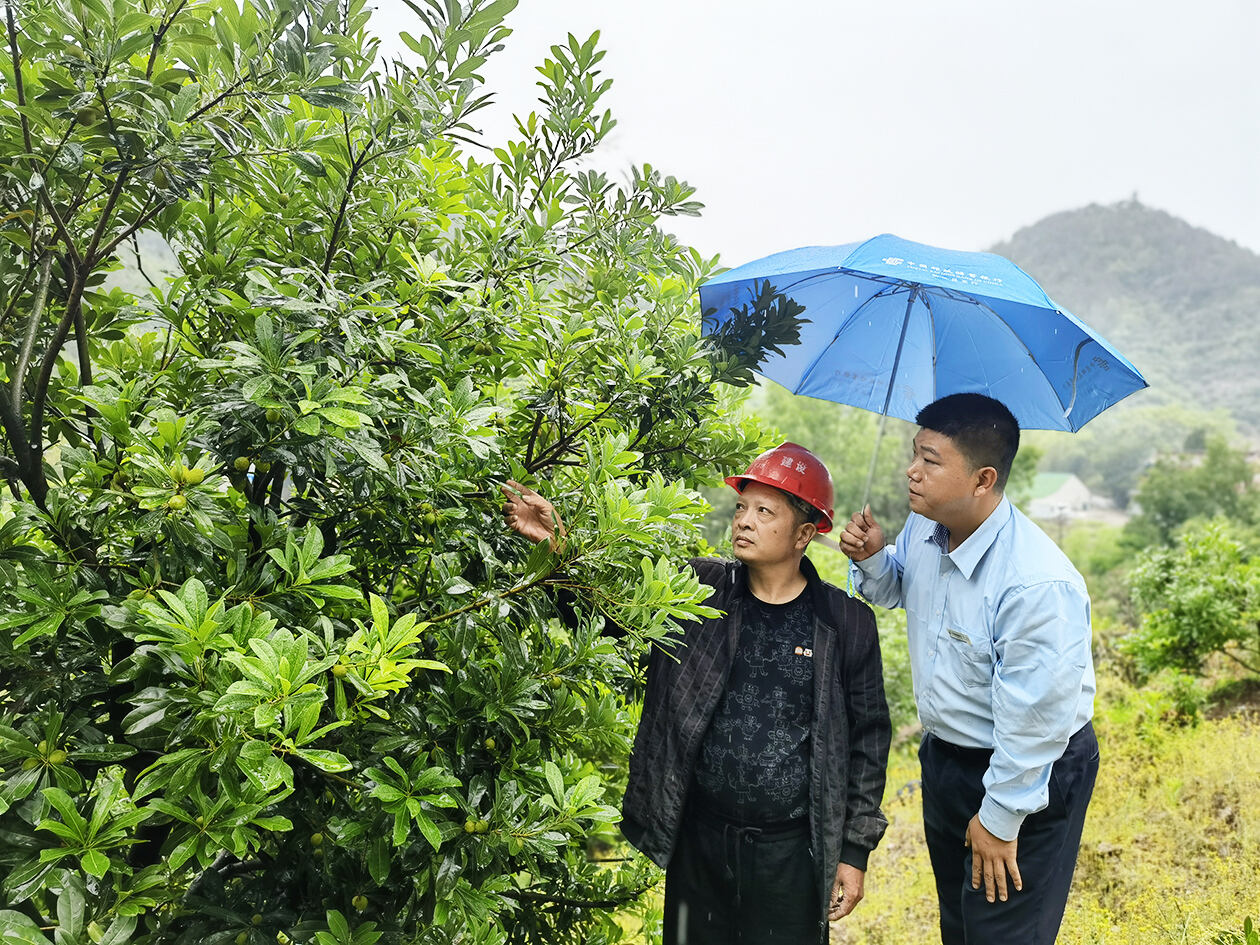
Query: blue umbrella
[894,325]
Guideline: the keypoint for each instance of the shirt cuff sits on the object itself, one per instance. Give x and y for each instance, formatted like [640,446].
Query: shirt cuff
[998,820]
[854,855]
[874,565]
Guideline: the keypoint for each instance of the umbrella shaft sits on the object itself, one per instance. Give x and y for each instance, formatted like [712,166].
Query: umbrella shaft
[870,475]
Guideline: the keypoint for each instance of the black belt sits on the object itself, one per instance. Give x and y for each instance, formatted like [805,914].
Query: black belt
[961,751]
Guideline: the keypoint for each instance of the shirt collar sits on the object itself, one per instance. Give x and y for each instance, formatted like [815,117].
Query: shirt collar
[966,557]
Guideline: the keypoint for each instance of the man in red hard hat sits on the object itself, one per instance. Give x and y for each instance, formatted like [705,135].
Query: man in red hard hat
[760,758]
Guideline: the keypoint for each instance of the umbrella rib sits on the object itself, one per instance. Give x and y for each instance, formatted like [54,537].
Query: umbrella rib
[1076,366]
[927,304]
[889,289]
[901,341]
[962,297]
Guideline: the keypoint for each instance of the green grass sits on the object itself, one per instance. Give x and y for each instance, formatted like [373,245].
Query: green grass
[1171,852]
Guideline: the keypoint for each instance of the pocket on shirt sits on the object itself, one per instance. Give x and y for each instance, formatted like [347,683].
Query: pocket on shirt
[974,659]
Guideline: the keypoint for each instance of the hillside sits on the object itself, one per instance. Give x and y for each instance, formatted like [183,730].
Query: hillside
[1178,301]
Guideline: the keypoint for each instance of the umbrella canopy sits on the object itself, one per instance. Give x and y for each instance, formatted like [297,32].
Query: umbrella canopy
[894,325]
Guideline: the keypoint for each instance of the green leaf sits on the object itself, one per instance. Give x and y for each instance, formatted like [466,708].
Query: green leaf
[338,925]
[120,931]
[43,628]
[429,829]
[555,781]
[378,860]
[323,760]
[309,425]
[17,929]
[263,768]
[95,862]
[309,163]
[347,419]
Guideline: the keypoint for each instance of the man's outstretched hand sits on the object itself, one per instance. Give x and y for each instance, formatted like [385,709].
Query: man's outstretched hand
[528,513]
[862,536]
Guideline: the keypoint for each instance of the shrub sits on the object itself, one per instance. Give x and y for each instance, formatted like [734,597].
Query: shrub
[1198,599]
[273,668]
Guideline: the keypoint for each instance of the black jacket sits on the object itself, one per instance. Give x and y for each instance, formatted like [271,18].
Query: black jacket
[848,744]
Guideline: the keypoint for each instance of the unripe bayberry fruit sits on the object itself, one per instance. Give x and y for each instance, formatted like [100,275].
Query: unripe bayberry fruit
[241,938]
[429,519]
[161,178]
[30,764]
[360,902]
[490,744]
[263,467]
[470,826]
[42,746]
[483,826]
[88,115]
[340,669]
[554,682]
[273,415]
[256,919]
[241,464]
[194,476]
[57,757]
[176,502]
[317,839]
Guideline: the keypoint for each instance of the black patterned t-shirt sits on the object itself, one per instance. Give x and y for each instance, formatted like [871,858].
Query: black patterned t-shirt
[754,761]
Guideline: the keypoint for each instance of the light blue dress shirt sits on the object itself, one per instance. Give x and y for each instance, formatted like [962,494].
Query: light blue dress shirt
[999,648]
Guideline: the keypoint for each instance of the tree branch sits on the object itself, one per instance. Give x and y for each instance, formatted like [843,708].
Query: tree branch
[38,483]
[1242,662]
[18,85]
[525,895]
[13,409]
[356,165]
[160,35]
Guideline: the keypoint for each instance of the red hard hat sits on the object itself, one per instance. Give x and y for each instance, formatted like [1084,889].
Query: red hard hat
[793,469]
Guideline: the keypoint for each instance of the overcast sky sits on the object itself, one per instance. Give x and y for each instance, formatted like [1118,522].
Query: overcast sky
[953,122]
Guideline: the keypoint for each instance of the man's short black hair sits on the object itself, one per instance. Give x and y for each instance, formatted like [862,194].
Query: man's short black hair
[985,432]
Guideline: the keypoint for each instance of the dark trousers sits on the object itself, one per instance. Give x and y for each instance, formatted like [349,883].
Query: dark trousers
[1048,843]
[729,884]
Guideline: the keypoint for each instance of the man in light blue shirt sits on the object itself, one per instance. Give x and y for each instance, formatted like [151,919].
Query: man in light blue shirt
[999,631]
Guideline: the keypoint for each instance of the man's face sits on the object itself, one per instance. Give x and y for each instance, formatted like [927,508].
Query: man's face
[764,528]
[942,482]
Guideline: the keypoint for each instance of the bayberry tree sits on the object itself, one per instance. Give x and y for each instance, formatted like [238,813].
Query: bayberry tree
[271,666]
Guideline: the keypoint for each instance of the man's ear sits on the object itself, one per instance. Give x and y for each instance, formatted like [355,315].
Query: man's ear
[986,480]
[805,535]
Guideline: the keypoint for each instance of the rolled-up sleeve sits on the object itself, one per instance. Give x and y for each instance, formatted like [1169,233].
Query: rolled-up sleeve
[1042,647]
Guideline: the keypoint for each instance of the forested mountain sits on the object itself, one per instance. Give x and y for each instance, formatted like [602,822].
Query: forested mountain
[1181,303]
